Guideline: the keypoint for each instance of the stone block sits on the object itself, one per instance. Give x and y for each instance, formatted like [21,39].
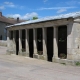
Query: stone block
[65,61]
[9,52]
[24,54]
[35,56]
[41,57]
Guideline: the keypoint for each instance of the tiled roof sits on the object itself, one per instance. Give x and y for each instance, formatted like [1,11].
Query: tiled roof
[73,15]
[10,21]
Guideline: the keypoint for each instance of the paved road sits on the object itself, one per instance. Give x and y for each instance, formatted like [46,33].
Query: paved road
[22,68]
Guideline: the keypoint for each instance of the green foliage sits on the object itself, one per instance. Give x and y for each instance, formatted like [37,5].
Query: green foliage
[34,18]
[23,50]
[62,56]
[40,52]
[77,63]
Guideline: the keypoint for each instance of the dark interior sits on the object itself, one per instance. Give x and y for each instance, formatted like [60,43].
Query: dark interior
[62,42]
[11,35]
[31,43]
[39,41]
[23,40]
[17,41]
[50,43]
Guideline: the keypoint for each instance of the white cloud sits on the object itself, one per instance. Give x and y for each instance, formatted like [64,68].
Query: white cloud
[30,15]
[2,7]
[14,15]
[61,10]
[71,2]
[26,16]
[45,1]
[10,4]
[55,8]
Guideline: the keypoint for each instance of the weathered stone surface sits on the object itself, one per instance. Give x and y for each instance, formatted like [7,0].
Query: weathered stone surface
[73,39]
[3,43]
[35,56]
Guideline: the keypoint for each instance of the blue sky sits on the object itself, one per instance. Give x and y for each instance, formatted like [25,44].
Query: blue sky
[26,9]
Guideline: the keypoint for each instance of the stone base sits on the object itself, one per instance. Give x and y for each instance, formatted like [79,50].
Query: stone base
[42,57]
[66,61]
[24,54]
[39,57]
[9,52]
[35,56]
[73,57]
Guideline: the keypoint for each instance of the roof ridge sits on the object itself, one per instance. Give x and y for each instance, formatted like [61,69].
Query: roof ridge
[61,16]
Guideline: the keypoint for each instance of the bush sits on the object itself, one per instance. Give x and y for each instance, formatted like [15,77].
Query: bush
[40,52]
[23,50]
[62,56]
[77,63]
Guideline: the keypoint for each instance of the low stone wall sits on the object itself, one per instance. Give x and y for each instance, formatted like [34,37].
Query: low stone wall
[3,43]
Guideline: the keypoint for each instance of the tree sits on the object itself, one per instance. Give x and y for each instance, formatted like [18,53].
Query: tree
[34,18]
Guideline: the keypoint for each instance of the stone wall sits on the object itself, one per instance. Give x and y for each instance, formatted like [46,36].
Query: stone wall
[73,41]
[3,30]
[76,41]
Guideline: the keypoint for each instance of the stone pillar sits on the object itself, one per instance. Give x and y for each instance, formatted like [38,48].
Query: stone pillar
[35,43]
[8,40]
[13,36]
[14,43]
[20,41]
[44,44]
[55,43]
[27,42]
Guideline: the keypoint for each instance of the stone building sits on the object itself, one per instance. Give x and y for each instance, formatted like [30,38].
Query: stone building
[5,22]
[55,38]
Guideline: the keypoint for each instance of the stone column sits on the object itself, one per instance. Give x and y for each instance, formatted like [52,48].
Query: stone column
[8,40]
[13,36]
[35,43]
[55,43]
[27,42]
[14,43]
[44,44]
[20,41]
